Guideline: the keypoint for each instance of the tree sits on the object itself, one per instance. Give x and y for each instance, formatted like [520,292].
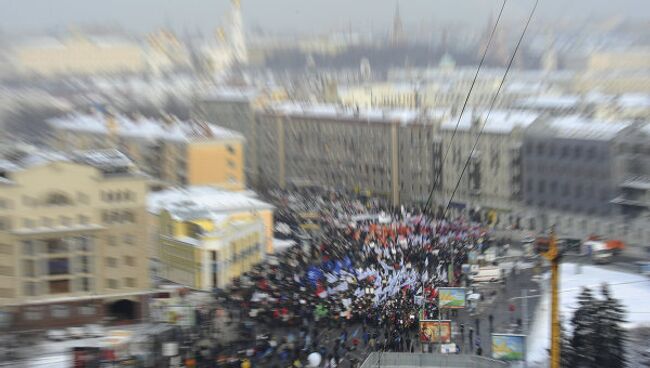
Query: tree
[584,339]
[566,353]
[611,335]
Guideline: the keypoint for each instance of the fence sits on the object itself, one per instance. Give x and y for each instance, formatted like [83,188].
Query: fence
[393,360]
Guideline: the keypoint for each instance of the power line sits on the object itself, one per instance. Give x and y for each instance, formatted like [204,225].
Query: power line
[494,99]
[471,87]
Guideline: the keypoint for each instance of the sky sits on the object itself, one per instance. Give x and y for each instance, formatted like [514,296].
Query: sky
[312,16]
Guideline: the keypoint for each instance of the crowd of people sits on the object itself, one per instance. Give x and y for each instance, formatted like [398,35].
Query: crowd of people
[357,285]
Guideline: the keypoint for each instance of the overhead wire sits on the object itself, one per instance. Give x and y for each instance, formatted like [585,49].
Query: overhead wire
[469,92]
[492,103]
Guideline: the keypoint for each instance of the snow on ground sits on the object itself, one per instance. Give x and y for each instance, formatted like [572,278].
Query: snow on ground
[631,289]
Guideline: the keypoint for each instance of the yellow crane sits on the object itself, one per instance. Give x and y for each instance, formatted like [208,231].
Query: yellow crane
[553,255]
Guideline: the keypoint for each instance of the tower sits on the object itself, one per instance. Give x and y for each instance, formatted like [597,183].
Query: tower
[237,40]
[397,36]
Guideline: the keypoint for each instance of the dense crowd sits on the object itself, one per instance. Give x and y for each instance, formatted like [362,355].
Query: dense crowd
[365,279]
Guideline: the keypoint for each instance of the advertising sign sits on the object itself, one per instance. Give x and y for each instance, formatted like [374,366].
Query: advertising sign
[508,347]
[451,298]
[181,315]
[435,331]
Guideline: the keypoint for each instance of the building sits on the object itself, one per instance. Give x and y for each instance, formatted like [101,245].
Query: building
[72,238]
[78,55]
[390,153]
[632,171]
[492,179]
[568,165]
[173,152]
[208,236]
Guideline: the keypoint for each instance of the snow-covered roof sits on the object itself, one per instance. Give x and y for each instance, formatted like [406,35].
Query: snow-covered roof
[145,128]
[550,102]
[101,159]
[231,94]
[337,112]
[196,202]
[634,100]
[499,122]
[580,127]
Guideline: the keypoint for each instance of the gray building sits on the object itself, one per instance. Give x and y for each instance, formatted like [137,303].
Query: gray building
[390,153]
[632,171]
[568,165]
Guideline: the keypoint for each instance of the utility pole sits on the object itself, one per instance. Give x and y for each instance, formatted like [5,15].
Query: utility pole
[553,255]
[524,311]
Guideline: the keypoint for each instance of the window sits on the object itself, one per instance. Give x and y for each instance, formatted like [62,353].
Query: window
[111,262]
[230,149]
[83,264]
[87,310]
[5,223]
[540,149]
[33,314]
[111,240]
[29,288]
[130,282]
[128,217]
[129,260]
[84,244]
[59,286]
[111,284]
[29,268]
[54,246]
[83,220]
[57,199]
[28,223]
[128,239]
[46,221]
[28,248]
[231,164]
[59,311]
[6,293]
[58,266]
[84,284]
[577,152]
[541,186]
[83,198]
[65,221]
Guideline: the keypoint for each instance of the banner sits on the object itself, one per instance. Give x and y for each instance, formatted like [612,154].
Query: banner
[451,298]
[435,331]
[508,347]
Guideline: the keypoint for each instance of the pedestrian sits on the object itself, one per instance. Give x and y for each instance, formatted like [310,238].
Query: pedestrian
[478,326]
[471,338]
[479,350]
[462,333]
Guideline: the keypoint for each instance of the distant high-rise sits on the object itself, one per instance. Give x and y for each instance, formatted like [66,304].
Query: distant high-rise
[397,37]
[237,40]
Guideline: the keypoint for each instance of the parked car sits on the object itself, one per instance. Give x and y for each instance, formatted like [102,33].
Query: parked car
[57,335]
[94,331]
[76,332]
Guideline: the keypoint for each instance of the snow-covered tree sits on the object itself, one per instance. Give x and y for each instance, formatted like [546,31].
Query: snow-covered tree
[612,336]
[585,334]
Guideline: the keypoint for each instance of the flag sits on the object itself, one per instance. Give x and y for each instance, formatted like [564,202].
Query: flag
[314,274]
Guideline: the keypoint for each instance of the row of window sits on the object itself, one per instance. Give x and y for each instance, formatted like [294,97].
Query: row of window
[57,245]
[54,199]
[574,152]
[565,189]
[118,196]
[113,261]
[38,313]
[118,217]
[51,222]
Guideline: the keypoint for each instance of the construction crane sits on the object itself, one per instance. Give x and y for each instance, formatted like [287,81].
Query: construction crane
[553,255]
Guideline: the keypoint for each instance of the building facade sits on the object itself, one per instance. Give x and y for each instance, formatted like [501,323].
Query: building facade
[492,178]
[389,153]
[632,171]
[207,236]
[568,165]
[73,239]
[170,151]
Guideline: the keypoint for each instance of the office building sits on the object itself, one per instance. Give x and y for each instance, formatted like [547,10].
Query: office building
[72,239]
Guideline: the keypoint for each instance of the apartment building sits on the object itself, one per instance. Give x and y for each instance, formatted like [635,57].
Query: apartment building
[72,239]
[172,152]
[207,236]
[632,171]
[492,179]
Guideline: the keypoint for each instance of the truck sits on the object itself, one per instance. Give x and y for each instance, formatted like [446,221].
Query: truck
[598,251]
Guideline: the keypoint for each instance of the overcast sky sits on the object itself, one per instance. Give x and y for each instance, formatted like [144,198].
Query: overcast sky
[287,15]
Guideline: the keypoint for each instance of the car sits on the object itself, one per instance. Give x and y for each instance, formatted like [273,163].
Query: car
[56,335]
[76,332]
[94,331]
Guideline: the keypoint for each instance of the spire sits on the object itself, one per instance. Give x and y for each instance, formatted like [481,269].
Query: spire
[237,40]
[398,29]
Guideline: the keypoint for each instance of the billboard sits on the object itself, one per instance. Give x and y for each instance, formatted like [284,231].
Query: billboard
[508,347]
[435,331]
[451,298]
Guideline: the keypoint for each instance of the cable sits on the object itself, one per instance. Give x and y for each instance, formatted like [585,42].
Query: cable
[471,87]
[492,103]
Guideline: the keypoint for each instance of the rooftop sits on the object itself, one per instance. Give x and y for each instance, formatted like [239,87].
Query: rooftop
[337,112]
[499,122]
[195,202]
[231,94]
[550,102]
[580,127]
[634,100]
[145,128]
